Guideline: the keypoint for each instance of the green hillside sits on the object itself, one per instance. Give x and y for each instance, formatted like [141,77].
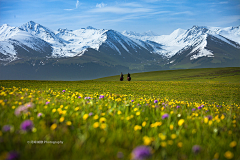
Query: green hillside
[231,74]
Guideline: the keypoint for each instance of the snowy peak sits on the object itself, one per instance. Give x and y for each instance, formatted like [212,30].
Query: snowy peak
[232,33]
[7,32]
[40,31]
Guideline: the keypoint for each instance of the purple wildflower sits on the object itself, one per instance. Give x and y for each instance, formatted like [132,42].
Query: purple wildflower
[27,125]
[87,98]
[79,97]
[155,101]
[101,96]
[200,107]
[6,128]
[165,116]
[90,114]
[193,109]
[63,91]
[141,153]
[13,155]
[39,114]
[47,102]
[209,117]
[120,155]
[23,108]
[178,107]
[132,100]
[196,149]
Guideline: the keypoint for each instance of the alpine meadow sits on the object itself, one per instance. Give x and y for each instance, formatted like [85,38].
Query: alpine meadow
[119,80]
[183,114]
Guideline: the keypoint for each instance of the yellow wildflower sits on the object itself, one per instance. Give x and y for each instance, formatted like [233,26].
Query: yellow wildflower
[162,136]
[173,136]
[54,110]
[147,140]
[103,125]
[144,123]
[171,127]
[85,116]
[163,144]
[135,109]
[216,155]
[119,112]
[233,144]
[69,123]
[222,117]
[180,122]
[64,112]
[210,123]
[102,120]
[179,144]
[205,120]
[95,117]
[138,113]
[96,124]
[53,126]
[137,127]
[61,119]
[228,155]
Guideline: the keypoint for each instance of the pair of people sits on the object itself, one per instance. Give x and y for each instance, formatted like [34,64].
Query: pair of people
[128,77]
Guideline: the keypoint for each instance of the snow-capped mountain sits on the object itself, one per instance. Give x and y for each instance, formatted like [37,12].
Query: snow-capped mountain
[35,45]
[16,43]
[194,38]
[69,43]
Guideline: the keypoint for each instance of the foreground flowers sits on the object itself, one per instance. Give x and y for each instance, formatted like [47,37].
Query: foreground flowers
[141,153]
[27,125]
[158,127]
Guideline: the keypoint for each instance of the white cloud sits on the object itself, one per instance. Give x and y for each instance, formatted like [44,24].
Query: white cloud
[101,5]
[185,12]
[120,10]
[77,5]
[225,2]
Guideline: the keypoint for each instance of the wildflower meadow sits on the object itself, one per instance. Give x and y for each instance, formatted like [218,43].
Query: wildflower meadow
[102,120]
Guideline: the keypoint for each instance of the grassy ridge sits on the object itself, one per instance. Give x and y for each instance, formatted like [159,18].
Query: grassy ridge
[231,75]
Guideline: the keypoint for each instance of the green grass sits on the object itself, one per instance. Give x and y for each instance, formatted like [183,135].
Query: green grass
[132,116]
[230,75]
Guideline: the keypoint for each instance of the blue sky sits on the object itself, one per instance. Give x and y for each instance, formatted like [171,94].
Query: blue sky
[159,16]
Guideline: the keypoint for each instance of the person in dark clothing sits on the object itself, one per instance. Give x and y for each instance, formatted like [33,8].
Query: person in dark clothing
[121,77]
[128,77]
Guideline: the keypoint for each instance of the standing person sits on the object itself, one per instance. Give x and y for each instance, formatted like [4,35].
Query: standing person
[128,77]
[121,77]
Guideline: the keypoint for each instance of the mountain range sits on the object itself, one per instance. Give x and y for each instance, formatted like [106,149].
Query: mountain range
[33,51]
